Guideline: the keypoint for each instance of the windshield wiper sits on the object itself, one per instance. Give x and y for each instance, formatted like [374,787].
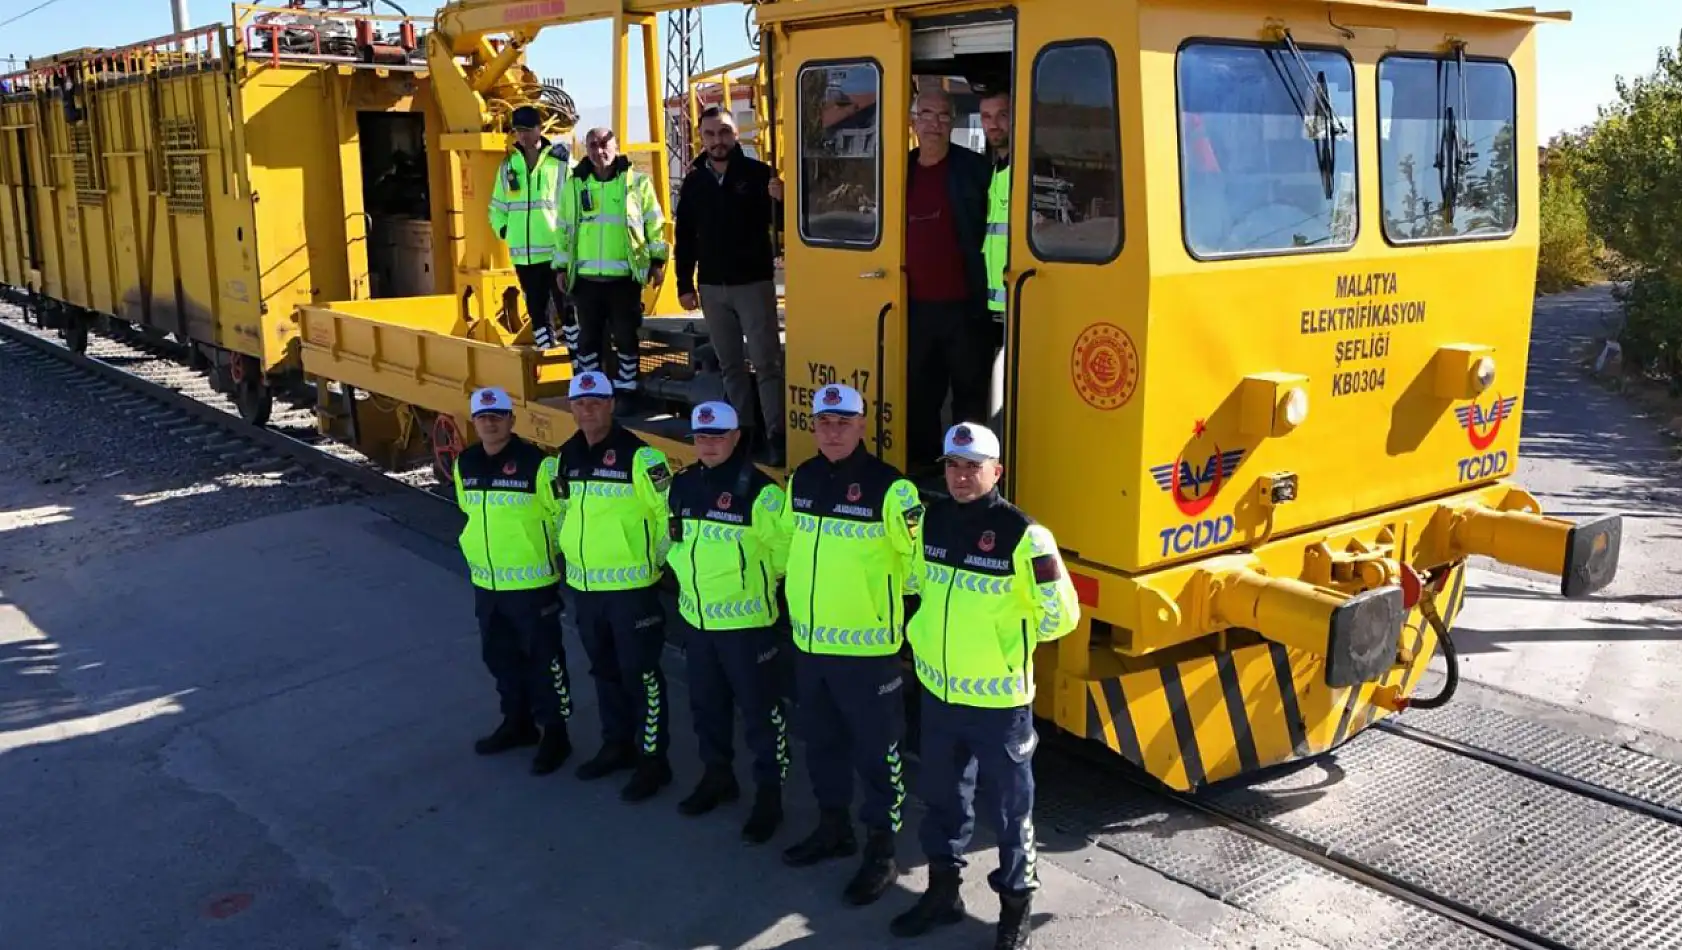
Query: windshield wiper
[1454,149]
[1323,119]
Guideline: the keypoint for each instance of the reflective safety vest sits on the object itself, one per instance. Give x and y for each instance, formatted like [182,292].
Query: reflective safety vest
[995,247]
[993,588]
[728,550]
[610,228]
[854,529]
[524,202]
[613,517]
[509,499]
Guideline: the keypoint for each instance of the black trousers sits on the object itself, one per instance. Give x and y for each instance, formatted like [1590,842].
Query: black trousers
[608,308]
[537,283]
[950,346]
[732,670]
[624,634]
[853,720]
[520,641]
[962,744]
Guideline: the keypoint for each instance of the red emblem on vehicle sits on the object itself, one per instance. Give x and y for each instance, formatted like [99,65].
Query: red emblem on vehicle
[962,436]
[509,469]
[832,396]
[1483,425]
[854,493]
[586,382]
[705,415]
[487,399]
[724,502]
[1194,478]
[986,542]
[609,457]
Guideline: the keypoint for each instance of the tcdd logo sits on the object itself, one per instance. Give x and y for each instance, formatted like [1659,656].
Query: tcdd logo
[1194,487]
[1482,427]
[1197,535]
[1487,465]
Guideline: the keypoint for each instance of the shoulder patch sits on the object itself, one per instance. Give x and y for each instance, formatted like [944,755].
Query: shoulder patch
[661,475]
[1047,568]
[913,517]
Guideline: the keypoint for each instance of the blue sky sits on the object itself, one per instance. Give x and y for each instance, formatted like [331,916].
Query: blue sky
[1579,61]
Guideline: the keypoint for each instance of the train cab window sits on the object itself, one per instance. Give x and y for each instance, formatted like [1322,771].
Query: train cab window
[1074,154]
[840,158]
[1446,152]
[1267,149]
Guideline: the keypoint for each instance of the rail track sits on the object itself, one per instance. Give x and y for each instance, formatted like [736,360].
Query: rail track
[187,404]
[160,389]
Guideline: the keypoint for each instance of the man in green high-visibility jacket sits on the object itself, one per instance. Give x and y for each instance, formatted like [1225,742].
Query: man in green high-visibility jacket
[853,525]
[728,555]
[992,588]
[506,487]
[523,214]
[614,539]
[610,243]
[995,247]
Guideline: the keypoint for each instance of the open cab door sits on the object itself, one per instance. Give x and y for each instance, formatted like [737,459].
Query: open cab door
[845,97]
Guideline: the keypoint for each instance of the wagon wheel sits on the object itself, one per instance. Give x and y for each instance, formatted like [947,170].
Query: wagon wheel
[250,391]
[446,446]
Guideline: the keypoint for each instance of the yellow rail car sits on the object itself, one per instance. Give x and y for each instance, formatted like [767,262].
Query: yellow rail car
[1263,368]
[204,185]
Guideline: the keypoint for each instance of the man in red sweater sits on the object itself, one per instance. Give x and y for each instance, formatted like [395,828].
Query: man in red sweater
[950,334]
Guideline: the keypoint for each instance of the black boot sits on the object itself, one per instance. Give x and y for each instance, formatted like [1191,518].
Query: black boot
[553,752]
[653,773]
[611,759]
[511,734]
[717,786]
[773,449]
[1014,925]
[767,815]
[832,839]
[876,873]
[940,906]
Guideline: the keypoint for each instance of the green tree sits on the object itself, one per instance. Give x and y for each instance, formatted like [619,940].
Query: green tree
[1568,246]
[1631,176]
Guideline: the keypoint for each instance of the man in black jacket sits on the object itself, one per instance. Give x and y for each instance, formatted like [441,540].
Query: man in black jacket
[725,213]
[950,334]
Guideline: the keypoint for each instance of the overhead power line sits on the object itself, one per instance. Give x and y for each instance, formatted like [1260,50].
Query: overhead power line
[39,6]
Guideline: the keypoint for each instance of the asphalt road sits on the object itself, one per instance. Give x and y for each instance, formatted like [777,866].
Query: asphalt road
[1587,451]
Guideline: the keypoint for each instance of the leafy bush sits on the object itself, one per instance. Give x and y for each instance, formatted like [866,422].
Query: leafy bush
[1567,255]
[1629,167]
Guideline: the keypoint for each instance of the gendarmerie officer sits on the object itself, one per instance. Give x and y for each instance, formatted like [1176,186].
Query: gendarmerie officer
[853,525]
[728,554]
[613,538]
[993,587]
[506,487]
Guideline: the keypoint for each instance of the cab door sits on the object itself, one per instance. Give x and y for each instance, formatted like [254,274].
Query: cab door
[1074,289]
[845,100]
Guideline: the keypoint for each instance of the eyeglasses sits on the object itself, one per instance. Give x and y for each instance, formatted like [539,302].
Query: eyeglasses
[929,115]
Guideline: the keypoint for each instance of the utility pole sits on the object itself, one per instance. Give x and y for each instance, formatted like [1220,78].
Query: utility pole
[179,8]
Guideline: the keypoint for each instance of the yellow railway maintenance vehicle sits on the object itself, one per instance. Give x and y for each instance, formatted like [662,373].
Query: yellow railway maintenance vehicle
[1270,282]
[206,184]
